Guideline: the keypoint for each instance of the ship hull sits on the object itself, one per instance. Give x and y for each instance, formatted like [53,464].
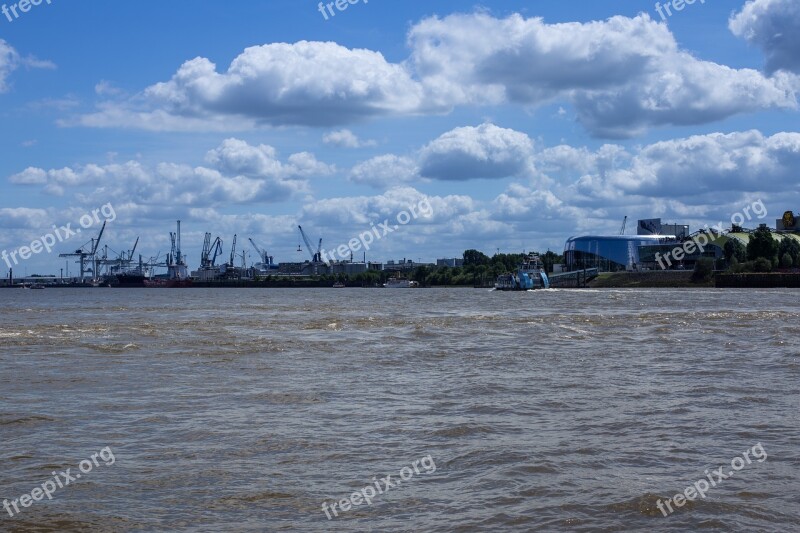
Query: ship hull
[168,283]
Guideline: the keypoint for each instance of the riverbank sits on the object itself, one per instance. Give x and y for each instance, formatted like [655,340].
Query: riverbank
[670,279]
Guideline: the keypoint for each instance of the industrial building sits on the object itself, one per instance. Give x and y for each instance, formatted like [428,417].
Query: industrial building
[455,262]
[643,251]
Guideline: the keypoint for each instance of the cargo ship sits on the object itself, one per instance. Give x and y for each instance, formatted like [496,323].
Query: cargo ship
[529,276]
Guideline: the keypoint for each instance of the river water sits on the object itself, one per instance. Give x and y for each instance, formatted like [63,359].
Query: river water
[246,410]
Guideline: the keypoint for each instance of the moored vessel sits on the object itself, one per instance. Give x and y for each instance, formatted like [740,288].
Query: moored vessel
[400,283]
[530,275]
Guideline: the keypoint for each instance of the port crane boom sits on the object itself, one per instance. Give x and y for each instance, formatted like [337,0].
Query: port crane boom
[83,255]
[266,259]
[206,260]
[233,251]
[315,257]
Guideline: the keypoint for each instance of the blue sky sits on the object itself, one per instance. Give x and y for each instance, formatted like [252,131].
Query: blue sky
[524,123]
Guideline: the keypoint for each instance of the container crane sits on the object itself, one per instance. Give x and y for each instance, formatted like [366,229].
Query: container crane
[83,255]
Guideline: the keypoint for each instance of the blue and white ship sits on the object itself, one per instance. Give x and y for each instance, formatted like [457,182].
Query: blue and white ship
[529,276]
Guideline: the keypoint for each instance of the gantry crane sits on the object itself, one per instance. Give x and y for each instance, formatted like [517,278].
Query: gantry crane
[83,255]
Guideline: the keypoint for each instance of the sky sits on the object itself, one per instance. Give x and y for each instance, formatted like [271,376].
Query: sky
[520,123]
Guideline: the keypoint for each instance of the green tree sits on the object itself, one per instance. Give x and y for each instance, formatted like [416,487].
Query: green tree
[762,245]
[474,257]
[786,261]
[420,275]
[790,246]
[734,249]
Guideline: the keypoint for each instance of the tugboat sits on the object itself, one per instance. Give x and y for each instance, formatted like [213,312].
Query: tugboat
[529,276]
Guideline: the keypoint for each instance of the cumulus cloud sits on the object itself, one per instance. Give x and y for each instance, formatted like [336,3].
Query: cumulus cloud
[237,173]
[623,75]
[22,218]
[385,170]
[305,83]
[235,156]
[346,139]
[366,209]
[453,225]
[695,179]
[486,151]
[773,26]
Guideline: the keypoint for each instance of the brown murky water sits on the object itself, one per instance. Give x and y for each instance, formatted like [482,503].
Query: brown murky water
[245,410]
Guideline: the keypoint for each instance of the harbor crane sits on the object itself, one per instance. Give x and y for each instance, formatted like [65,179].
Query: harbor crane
[315,257]
[266,259]
[176,262]
[123,261]
[83,255]
[233,252]
[209,248]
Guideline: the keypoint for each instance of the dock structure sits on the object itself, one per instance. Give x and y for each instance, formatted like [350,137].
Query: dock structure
[575,279]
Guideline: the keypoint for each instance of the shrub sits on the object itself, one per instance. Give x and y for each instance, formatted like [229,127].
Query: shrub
[703,270]
[762,264]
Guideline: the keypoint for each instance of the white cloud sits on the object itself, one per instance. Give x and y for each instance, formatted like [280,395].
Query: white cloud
[486,151]
[346,139]
[454,224]
[9,60]
[773,26]
[238,173]
[385,170]
[623,75]
[306,83]
[22,218]
[29,176]
[106,88]
[235,156]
